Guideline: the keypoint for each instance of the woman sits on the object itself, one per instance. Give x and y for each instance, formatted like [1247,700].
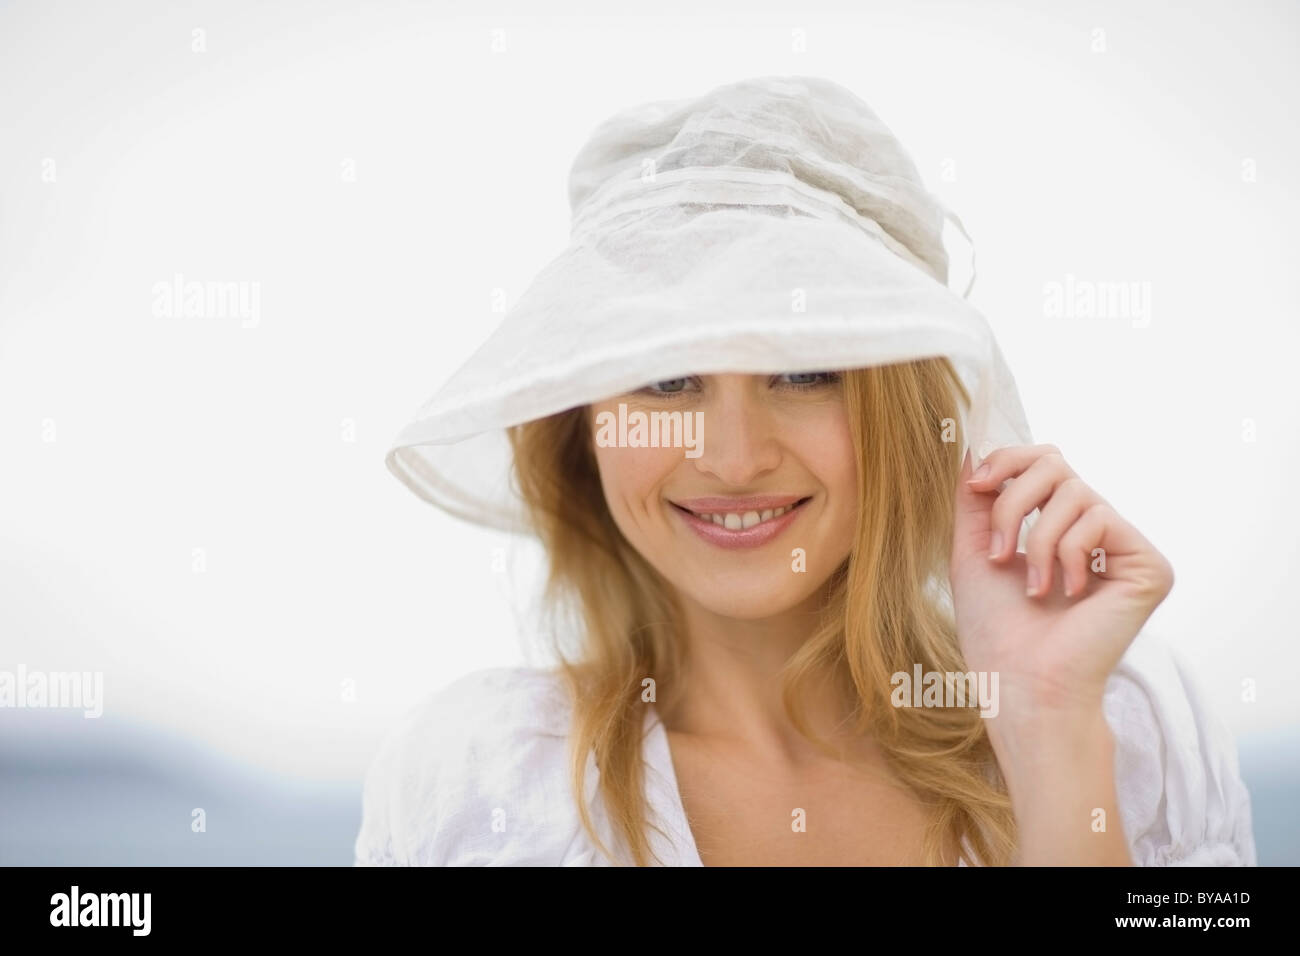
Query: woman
[742,413]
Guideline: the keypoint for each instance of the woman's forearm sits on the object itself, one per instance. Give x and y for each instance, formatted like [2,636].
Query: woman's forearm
[1060,774]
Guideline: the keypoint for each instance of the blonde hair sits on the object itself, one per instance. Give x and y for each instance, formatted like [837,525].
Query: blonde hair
[887,609]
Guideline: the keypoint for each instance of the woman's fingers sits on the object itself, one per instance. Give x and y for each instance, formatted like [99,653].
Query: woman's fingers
[1038,477]
[1100,532]
[1043,545]
[1077,544]
[1004,463]
[1035,473]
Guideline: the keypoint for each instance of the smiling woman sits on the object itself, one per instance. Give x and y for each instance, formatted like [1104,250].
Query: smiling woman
[719,611]
[733,620]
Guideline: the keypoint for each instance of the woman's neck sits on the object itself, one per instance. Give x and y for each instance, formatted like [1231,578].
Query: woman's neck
[733,688]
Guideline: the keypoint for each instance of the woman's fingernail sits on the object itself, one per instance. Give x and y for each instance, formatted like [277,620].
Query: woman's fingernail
[980,473]
[995,548]
[1033,581]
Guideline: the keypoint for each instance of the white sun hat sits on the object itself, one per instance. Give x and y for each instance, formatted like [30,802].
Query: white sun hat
[771,225]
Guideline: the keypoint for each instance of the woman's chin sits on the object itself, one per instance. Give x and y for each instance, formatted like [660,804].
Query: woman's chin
[755,601]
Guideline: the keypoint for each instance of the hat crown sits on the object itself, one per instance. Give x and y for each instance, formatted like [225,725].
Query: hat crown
[800,141]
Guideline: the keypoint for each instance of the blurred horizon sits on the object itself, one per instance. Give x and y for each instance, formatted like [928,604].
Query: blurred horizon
[127,800]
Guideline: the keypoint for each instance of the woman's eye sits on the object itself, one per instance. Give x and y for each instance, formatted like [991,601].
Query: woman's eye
[668,387]
[808,379]
[790,380]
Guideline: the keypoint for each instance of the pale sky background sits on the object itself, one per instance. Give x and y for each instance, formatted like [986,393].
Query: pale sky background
[379,170]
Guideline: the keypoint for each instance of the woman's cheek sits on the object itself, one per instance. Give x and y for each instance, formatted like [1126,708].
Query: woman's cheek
[633,479]
[827,452]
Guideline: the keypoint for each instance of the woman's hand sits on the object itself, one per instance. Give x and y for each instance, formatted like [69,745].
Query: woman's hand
[1055,620]
[1051,623]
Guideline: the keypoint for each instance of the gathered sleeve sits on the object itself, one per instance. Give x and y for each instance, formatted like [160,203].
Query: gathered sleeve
[1180,792]
[476,775]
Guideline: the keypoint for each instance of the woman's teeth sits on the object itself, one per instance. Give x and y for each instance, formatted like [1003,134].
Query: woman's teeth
[738,522]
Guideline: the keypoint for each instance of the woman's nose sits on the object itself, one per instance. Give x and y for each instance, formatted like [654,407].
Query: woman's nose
[740,443]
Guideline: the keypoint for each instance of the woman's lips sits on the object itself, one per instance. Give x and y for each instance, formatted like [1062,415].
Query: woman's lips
[737,505]
[755,536]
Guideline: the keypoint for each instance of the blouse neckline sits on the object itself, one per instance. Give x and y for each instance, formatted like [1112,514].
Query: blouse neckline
[665,798]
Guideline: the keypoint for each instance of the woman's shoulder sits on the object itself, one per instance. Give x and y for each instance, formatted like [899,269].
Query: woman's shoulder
[476,773]
[1180,791]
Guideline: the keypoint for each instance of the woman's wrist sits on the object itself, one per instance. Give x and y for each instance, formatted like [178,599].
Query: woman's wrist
[1060,775]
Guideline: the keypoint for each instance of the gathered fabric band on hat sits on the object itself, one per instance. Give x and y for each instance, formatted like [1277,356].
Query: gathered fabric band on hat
[747,187]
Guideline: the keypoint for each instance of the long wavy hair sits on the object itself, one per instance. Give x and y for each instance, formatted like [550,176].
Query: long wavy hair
[887,608]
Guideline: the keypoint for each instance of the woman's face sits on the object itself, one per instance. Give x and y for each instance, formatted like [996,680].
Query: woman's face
[749,502]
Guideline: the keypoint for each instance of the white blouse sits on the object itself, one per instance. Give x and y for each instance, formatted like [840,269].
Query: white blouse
[478,775]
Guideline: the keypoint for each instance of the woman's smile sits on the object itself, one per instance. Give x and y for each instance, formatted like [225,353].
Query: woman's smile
[748,522]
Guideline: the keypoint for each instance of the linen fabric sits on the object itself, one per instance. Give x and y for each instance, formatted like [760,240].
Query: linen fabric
[477,774]
[771,225]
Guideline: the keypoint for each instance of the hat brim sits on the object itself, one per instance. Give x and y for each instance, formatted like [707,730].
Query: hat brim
[726,290]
